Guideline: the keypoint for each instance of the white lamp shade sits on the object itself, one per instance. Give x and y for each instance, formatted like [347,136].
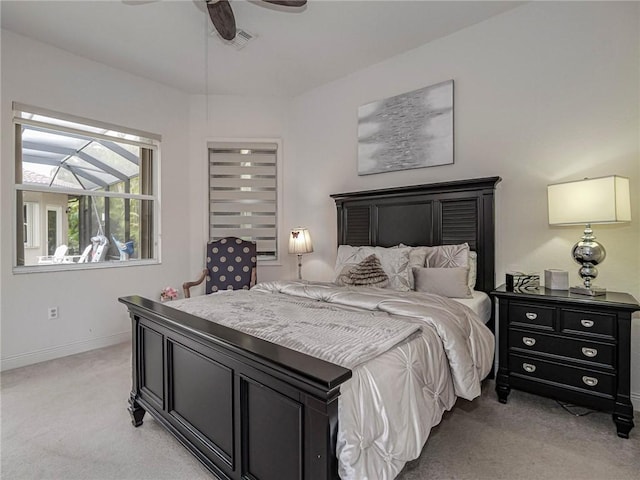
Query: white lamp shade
[300,241]
[592,200]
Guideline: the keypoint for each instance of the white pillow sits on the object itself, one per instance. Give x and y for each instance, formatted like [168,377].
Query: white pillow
[394,261]
[347,255]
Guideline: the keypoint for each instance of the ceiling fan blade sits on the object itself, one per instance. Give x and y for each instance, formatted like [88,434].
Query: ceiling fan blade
[288,3]
[222,18]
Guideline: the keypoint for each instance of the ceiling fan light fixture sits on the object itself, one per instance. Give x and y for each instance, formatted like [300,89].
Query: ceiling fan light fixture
[224,21]
[241,39]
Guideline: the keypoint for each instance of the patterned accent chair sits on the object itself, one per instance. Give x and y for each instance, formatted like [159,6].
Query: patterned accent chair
[231,265]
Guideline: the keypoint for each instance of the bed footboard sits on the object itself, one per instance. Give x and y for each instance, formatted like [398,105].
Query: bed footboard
[246,408]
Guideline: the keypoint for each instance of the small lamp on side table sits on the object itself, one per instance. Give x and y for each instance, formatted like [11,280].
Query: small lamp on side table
[592,200]
[300,243]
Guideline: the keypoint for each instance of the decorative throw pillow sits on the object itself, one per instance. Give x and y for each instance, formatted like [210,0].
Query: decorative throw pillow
[449,282]
[394,261]
[447,256]
[417,256]
[368,273]
[443,256]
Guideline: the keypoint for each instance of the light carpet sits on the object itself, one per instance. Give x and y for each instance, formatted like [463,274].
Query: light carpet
[67,419]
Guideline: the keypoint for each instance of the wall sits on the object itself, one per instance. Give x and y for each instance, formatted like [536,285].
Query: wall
[90,315]
[225,118]
[544,93]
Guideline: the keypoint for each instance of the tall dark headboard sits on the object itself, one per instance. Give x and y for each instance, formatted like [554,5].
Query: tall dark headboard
[434,214]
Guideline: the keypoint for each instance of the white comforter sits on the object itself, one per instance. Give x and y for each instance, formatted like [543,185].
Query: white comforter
[387,409]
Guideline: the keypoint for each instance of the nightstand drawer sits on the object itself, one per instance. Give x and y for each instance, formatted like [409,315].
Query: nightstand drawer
[586,322]
[532,315]
[563,375]
[576,349]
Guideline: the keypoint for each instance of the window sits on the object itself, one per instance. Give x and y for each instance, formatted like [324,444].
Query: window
[243,194]
[84,185]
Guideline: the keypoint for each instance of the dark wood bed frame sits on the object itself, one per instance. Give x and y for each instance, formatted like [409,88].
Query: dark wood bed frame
[250,409]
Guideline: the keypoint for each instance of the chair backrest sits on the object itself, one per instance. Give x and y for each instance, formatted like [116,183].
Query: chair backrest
[60,252]
[231,262]
[85,254]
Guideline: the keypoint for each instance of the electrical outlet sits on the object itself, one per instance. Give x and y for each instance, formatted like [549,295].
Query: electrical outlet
[52,313]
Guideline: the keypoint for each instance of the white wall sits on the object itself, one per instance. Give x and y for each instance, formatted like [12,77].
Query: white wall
[90,315]
[226,118]
[543,93]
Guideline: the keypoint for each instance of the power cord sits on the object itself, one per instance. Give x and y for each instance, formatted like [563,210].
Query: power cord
[568,406]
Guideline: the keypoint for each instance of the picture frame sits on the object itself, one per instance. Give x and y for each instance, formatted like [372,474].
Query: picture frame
[407,131]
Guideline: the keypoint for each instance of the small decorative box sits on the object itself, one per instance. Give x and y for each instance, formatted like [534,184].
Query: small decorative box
[520,281]
[556,279]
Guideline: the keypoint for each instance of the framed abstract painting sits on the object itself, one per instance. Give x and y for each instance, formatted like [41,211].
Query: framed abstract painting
[411,130]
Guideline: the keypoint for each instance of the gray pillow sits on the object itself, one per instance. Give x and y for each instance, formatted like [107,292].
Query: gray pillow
[449,282]
[368,273]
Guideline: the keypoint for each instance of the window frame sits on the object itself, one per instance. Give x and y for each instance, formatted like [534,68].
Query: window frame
[31,224]
[146,140]
[240,143]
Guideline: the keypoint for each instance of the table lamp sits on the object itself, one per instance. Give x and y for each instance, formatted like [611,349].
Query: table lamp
[588,201]
[300,243]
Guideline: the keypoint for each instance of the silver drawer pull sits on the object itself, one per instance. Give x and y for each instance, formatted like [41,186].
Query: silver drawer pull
[590,381]
[587,323]
[530,368]
[531,315]
[530,342]
[589,352]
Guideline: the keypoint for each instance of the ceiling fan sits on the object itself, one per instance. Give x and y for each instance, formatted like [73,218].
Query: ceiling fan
[221,13]
[222,17]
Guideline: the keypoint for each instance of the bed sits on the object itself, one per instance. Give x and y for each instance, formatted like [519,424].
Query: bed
[249,408]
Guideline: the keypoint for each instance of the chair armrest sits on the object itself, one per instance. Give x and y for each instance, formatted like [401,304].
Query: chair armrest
[187,285]
[253,278]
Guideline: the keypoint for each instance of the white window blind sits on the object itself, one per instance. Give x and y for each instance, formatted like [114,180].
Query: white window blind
[243,194]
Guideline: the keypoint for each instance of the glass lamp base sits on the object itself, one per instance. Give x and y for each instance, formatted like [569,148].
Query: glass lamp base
[591,291]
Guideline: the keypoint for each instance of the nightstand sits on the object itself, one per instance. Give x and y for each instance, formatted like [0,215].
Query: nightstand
[573,348]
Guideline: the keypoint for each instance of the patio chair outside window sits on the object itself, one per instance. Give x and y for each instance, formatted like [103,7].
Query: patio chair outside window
[57,257]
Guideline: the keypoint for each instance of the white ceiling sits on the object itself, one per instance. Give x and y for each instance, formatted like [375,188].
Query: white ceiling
[294,51]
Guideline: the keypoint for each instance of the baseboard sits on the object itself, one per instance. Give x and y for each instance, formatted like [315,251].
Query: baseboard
[24,359]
